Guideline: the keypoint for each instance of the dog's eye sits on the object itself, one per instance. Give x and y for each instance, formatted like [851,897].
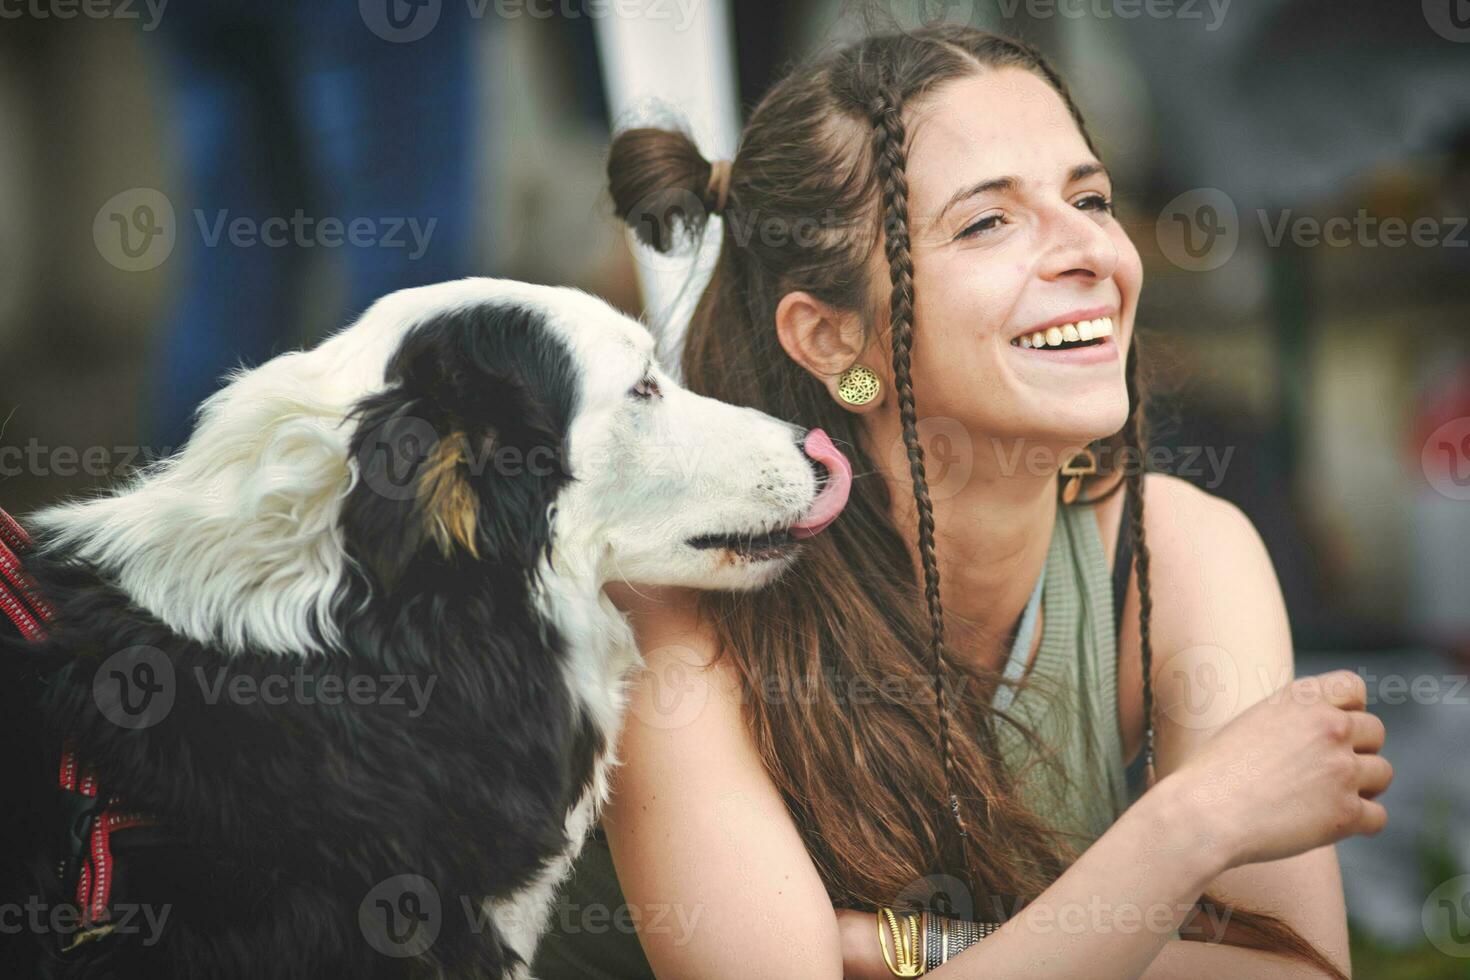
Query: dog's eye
[647,388]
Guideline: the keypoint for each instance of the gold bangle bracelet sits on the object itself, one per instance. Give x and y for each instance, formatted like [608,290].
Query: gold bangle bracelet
[905,960]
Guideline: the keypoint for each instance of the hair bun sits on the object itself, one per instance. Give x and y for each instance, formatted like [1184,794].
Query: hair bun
[662,186]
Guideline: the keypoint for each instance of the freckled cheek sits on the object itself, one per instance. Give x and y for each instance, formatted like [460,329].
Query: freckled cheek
[966,301]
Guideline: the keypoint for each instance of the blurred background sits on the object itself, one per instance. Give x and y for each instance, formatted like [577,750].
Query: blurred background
[192,185]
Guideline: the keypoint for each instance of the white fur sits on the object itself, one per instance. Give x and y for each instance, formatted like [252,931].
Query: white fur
[235,540]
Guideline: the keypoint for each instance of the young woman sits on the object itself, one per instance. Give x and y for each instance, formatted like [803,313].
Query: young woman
[929,207]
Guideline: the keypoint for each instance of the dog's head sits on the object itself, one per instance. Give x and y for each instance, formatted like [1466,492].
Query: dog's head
[519,420]
[472,426]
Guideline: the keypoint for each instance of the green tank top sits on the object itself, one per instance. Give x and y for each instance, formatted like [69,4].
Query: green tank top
[592,936]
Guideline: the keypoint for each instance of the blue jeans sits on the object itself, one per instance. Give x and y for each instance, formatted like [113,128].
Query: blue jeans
[299,119]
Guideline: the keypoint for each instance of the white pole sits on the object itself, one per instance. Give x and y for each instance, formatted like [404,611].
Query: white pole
[676,69]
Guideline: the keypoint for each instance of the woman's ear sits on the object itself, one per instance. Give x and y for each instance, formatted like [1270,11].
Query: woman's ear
[825,341]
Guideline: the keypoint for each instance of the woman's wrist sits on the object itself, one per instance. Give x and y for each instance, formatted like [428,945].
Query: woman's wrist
[1200,836]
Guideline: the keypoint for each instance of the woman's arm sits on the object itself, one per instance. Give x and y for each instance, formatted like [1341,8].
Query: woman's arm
[1222,643]
[698,830]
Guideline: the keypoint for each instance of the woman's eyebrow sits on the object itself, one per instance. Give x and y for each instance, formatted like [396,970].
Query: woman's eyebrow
[1079,172]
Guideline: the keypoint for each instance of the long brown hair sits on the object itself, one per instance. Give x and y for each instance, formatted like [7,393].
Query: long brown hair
[818,185]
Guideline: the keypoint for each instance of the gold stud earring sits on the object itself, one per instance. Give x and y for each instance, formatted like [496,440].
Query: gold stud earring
[858,385]
[1083,464]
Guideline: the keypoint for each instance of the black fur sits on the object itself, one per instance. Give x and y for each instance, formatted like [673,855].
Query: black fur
[282,817]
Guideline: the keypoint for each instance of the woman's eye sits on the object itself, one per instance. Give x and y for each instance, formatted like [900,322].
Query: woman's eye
[647,388]
[987,223]
[1095,202]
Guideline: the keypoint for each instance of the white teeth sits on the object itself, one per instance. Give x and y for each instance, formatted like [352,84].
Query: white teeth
[1070,333]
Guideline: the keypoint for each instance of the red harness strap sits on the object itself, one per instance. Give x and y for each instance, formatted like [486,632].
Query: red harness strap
[26,608]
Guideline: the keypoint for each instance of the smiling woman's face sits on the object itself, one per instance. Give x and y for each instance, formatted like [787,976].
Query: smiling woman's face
[1012,234]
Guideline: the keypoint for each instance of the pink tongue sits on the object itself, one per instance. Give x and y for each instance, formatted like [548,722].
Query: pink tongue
[833,498]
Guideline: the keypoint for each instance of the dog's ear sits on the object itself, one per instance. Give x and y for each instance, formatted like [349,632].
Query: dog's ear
[460,456]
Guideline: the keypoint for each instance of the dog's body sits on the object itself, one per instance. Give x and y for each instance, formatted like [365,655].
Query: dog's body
[350,647]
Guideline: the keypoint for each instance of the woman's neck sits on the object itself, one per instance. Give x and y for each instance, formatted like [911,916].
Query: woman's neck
[992,534]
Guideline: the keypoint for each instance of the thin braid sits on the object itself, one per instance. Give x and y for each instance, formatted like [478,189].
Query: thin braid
[1133,439]
[888,143]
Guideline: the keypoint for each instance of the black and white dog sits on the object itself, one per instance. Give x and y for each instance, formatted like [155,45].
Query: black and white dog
[349,652]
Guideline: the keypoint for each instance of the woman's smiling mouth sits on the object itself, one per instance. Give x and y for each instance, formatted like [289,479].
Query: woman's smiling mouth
[1085,338]
[1081,333]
